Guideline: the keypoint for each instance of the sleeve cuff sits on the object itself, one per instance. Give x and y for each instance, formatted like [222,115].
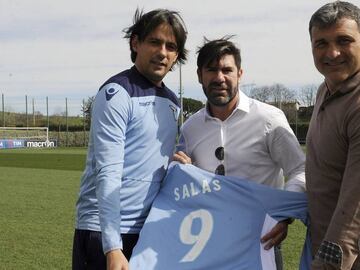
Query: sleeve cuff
[330,253]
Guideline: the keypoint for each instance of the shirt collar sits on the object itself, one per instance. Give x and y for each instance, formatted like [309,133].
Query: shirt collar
[142,79]
[349,84]
[244,102]
[242,105]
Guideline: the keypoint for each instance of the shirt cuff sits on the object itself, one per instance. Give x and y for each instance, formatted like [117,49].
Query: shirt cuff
[330,253]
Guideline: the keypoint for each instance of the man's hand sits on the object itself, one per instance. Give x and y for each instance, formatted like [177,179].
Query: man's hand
[115,260]
[182,158]
[276,235]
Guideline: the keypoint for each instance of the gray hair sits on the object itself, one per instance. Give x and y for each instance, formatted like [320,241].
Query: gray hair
[331,13]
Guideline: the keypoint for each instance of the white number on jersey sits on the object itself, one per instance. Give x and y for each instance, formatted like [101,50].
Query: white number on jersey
[199,240]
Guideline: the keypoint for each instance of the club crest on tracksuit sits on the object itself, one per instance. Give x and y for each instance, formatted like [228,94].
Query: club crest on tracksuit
[109,93]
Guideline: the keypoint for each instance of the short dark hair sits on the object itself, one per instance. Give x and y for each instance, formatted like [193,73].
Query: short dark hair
[331,13]
[215,49]
[145,23]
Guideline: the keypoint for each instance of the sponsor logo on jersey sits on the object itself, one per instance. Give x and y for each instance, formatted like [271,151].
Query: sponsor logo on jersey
[109,93]
[147,103]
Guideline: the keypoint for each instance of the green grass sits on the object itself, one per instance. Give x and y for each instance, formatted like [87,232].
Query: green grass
[37,207]
[60,159]
[293,244]
[39,189]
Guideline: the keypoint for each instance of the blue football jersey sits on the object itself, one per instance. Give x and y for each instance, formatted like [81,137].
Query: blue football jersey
[200,220]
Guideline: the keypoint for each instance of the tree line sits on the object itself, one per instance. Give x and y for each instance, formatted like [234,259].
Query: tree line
[277,94]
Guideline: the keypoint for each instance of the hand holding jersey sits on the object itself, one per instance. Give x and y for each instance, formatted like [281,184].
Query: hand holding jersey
[272,238]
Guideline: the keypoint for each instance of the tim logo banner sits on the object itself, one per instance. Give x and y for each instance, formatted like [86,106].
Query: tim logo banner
[7,144]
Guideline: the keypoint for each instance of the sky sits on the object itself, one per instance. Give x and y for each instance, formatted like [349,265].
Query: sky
[67,49]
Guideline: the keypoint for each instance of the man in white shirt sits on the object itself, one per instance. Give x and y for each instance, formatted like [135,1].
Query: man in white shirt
[238,136]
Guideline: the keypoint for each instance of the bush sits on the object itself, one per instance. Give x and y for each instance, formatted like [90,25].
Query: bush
[72,139]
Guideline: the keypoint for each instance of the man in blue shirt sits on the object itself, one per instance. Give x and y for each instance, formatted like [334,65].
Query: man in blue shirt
[133,131]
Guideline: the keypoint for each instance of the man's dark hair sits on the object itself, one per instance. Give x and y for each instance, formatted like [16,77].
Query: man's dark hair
[144,24]
[214,50]
[331,13]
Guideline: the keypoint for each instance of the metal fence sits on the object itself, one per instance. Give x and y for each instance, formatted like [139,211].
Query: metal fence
[64,116]
[34,106]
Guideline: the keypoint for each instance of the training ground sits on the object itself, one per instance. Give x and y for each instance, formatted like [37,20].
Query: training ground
[39,189]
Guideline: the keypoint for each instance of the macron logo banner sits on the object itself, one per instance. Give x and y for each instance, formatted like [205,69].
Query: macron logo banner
[10,144]
[41,144]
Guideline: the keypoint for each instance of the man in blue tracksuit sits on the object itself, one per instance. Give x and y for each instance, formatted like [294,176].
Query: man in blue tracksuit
[132,136]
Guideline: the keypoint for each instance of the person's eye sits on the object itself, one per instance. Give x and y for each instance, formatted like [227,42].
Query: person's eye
[227,71]
[171,47]
[320,44]
[345,41]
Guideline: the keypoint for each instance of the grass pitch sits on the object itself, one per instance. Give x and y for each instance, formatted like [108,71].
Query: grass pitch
[38,193]
[39,189]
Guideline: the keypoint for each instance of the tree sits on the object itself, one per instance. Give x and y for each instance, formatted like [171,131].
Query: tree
[86,110]
[281,94]
[275,94]
[261,93]
[307,94]
[191,106]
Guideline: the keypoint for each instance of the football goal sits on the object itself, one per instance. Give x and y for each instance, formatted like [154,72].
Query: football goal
[24,133]
[18,137]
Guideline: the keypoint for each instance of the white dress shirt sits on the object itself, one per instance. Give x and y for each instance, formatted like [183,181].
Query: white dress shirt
[258,142]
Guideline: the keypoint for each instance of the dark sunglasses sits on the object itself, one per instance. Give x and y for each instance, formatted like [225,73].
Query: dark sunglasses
[219,154]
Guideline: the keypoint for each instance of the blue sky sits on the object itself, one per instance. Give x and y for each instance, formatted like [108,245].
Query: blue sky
[69,48]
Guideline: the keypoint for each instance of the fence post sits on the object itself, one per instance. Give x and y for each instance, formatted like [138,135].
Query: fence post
[33,112]
[26,114]
[47,111]
[3,109]
[84,121]
[66,121]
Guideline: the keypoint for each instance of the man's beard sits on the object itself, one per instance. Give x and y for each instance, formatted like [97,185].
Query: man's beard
[219,100]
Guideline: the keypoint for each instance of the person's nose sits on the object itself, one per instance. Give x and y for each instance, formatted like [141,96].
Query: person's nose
[219,77]
[162,50]
[333,51]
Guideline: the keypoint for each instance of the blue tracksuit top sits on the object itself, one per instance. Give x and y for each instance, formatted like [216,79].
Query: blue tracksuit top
[132,136]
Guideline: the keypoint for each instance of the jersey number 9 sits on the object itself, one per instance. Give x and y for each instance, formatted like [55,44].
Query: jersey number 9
[197,240]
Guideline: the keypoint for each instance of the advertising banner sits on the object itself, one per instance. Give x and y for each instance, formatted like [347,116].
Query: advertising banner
[7,144]
[40,144]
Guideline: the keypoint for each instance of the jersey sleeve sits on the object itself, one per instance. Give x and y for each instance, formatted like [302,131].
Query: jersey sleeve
[110,116]
[181,146]
[281,204]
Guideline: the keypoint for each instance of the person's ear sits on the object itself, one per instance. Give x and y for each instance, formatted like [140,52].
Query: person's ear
[240,73]
[134,43]
[198,71]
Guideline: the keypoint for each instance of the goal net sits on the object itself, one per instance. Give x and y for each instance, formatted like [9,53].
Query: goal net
[24,133]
